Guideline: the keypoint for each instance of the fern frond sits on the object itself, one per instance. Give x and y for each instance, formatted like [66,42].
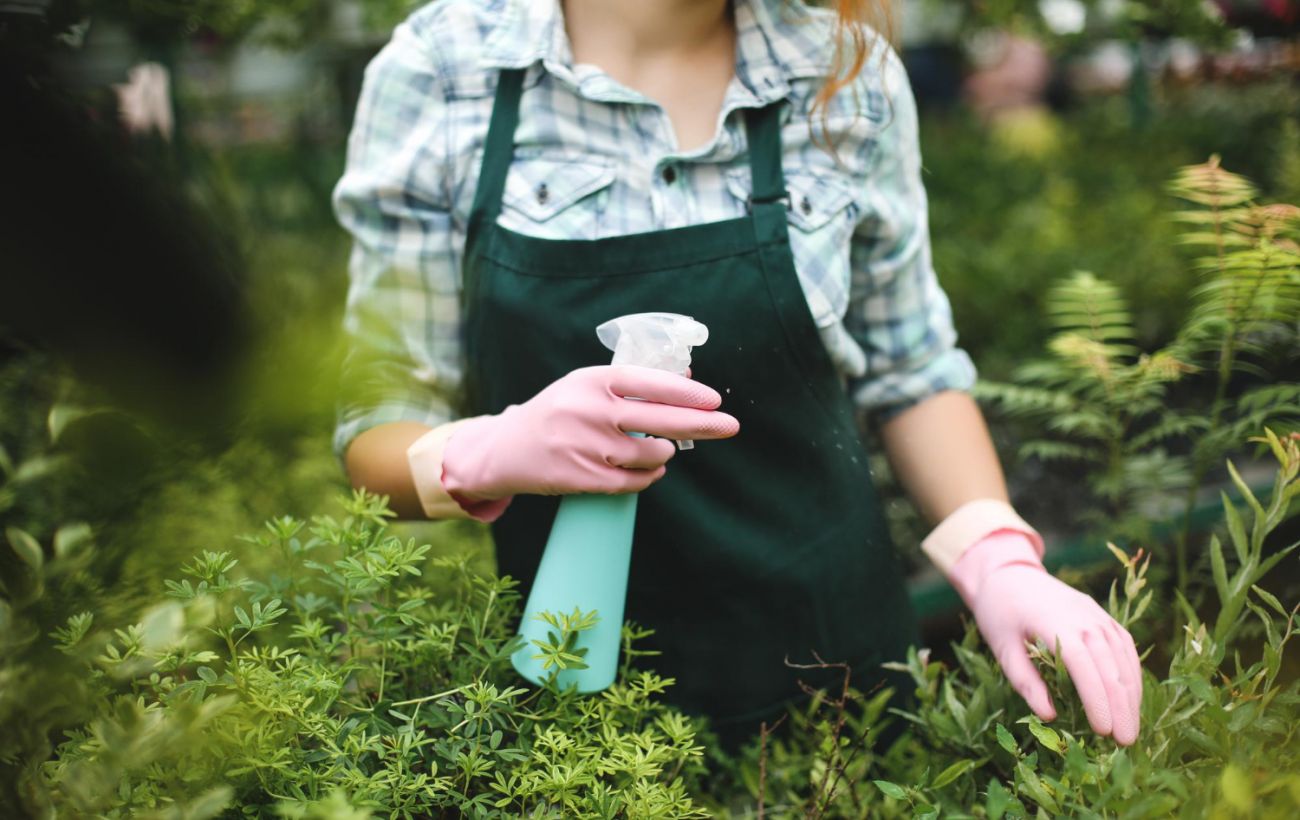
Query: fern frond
[1277,396]
[1091,307]
[1085,423]
[1169,427]
[1276,406]
[1210,185]
[1022,400]
[1045,450]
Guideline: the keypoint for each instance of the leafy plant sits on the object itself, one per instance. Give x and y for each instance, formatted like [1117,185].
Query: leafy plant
[1220,728]
[1111,407]
[347,680]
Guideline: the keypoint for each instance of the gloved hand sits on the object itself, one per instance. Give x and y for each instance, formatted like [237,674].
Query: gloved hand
[572,436]
[1014,599]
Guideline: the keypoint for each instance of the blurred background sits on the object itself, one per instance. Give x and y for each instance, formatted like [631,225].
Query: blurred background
[173,279]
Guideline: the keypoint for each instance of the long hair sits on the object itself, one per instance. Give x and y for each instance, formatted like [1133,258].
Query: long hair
[858,24]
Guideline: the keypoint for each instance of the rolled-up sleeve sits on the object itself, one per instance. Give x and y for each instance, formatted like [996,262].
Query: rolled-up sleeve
[401,321]
[897,313]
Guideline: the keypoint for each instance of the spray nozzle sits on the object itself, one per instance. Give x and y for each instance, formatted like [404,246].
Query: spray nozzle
[659,340]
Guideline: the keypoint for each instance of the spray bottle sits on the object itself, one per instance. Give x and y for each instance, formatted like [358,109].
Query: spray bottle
[587,556]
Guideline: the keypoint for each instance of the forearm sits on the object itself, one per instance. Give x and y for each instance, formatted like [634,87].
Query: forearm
[378,461]
[942,454]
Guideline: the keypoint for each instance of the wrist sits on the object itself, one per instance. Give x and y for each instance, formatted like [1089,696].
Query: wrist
[993,552]
[976,539]
[972,521]
[448,477]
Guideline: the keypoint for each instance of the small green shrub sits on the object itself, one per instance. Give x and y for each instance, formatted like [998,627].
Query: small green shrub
[347,678]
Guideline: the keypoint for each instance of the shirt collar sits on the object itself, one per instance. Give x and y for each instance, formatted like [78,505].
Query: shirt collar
[776,41]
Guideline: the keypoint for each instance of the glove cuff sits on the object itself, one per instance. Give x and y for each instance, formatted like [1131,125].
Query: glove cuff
[440,496]
[970,522]
[993,552]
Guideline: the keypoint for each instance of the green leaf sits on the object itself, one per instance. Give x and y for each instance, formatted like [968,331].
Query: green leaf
[891,789]
[1033,786]
[1006,741]
[26,547]
[1244,489]
[1236,529]
[37,468]
[951,773]
[70,537]
[63,415]
[1219,570]
[1044,734]
[998,800]
[1268,598]
[1237,788]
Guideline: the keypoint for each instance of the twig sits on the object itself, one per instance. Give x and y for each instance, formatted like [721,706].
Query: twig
[763,732]
[822,799]
[428,698]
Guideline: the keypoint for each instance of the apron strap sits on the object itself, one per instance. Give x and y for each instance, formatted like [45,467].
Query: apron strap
[763,130]
[499,148]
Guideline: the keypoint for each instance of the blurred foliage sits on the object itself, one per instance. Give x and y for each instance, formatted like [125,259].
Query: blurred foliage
[288,23]
[1099,402]
[1068,25]
[1016,205]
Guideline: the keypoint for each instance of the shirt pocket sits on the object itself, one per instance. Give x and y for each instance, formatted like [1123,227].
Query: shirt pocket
[822,213]
[557,197]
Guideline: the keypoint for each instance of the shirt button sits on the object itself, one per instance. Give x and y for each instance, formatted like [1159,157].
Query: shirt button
[543,194]
[669,174]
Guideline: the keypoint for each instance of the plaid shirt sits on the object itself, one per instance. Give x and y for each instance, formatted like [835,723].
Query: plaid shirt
[596,159]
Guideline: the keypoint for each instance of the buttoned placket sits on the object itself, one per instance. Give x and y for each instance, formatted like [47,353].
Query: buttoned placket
[757,81]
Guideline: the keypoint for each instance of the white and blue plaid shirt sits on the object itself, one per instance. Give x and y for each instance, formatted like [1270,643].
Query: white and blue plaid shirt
[596,159]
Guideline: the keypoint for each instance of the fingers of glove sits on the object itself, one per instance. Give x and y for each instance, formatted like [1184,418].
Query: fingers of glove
[671,422]
[634,481]
[1024,678]
[1107,663]
[662,387]
[1130,675]
[1087,682]
[1134,659]
[641,453]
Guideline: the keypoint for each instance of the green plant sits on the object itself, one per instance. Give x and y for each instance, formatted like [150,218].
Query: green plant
[1109,406]
[347,677]
[1220,727]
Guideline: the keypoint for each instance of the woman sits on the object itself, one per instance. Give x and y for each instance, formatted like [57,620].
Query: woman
[522,170]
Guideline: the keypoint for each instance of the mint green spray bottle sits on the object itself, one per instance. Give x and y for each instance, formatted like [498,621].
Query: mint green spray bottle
[587,556]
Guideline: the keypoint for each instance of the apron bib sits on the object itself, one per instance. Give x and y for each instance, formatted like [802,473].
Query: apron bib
[751,551]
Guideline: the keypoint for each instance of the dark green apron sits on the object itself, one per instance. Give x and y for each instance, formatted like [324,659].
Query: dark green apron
[768,546]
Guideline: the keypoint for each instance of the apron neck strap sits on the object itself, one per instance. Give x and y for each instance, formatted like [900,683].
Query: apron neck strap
[499,149]
[763,130]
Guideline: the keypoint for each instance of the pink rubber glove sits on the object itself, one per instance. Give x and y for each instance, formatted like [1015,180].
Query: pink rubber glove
[1015,599]
[572,436]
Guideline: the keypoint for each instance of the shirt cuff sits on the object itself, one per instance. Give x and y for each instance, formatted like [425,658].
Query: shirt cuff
[970,523]
[425,458]
[888,394]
